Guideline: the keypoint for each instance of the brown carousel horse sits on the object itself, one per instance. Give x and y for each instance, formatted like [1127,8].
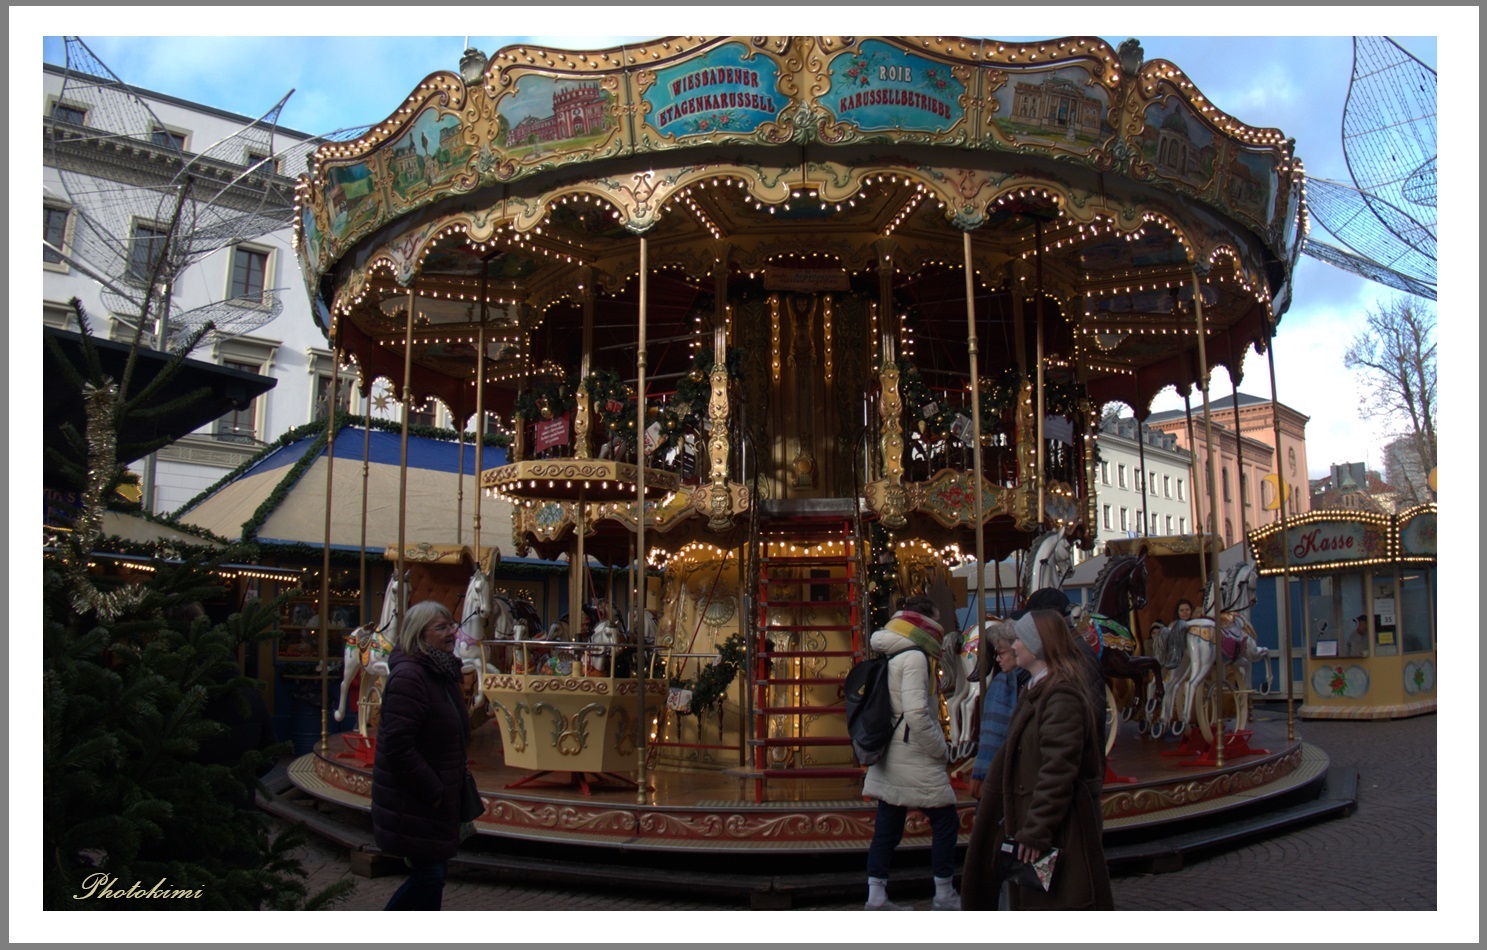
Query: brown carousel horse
[1119,589]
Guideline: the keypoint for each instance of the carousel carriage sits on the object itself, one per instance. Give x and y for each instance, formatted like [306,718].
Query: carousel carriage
[789,345]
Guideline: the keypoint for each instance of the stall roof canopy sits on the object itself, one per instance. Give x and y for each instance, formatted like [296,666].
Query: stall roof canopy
[61,403]
[280,497]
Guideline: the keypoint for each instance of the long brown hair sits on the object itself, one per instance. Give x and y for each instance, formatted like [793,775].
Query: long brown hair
[1066,662]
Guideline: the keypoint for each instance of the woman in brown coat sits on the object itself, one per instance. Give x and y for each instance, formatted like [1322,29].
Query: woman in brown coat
[1043,789]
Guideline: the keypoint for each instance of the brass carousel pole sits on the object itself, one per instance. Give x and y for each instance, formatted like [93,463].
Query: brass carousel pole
[366,474]
[330,463]
[1218,659]
[975,363]
[401,605]
[639,628]
[1141,479]
[1283,492]
[1038,367]
[480,408]
[1187,408]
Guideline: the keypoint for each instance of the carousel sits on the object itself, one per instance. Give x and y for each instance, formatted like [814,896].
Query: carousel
[779,330]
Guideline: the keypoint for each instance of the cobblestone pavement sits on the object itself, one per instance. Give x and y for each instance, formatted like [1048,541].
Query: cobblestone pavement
[1382,857]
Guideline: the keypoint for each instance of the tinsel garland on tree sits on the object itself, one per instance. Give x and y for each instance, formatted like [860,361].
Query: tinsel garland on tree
[710,686]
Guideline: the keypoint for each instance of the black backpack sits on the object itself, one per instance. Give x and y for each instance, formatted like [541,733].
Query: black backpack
[870,721]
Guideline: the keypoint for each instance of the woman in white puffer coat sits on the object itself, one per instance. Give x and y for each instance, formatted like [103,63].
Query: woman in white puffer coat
[912,772]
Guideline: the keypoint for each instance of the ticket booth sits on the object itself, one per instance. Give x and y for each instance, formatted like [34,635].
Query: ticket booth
[1362,619]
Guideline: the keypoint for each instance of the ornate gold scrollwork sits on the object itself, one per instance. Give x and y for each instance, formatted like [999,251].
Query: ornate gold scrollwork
[569,736]
[516,726]
[890,410]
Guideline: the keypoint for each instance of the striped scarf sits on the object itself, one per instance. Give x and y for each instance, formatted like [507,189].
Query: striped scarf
[922,631]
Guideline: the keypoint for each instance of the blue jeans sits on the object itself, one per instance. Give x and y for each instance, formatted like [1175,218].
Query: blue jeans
[424,889]
[888,831]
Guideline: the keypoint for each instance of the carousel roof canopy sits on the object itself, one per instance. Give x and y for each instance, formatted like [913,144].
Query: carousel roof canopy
[1105,197]
[280,496]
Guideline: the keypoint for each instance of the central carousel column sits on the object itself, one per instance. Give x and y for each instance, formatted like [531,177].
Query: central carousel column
[720,504]
[1218,659]
[894,510]
[579,570]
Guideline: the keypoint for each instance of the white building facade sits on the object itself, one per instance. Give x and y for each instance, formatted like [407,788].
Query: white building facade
[247,274]
[1141,489]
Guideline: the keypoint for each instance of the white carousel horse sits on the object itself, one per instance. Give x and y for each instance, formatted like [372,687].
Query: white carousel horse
[1190,649]
[479,611]
[368,647]
[1049,561]
[609,637]
[964,691]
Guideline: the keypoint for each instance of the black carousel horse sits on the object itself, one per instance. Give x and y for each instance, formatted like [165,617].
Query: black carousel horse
[1119,589]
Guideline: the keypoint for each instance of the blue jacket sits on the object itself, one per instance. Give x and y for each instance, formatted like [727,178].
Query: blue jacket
[996,716]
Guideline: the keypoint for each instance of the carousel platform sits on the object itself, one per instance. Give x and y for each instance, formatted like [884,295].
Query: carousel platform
[1163,806]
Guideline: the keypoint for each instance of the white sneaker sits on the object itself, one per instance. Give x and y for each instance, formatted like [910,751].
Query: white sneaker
[949,902]
[886,905]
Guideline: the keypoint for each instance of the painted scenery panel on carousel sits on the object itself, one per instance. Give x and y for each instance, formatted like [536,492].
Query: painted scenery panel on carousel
[310,234]
[428,156]
[727,92]
[1063,108]
[351,200]
[1417,537]
[880,88]
[1250,185]
[1177,145]
[543,117]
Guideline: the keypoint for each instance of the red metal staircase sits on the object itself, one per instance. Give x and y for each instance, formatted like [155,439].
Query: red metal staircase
[808,631]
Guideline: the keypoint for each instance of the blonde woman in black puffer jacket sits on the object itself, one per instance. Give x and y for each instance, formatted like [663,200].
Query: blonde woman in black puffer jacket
[419,769]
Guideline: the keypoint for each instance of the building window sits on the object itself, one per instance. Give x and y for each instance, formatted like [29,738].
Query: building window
[146,245]
[1169,524]
[69,113]
[1180,491]
[1167,488]
[1140,480]
[1244,490]
[240,425]
[57,315]
[1120,473]
[321,408]
[1182,526]
[1228,530]
[1224,477]
[1124,521]
[54,221]
[269,164]
[249,268]
[168,139]
[1105,475]
[1107,517]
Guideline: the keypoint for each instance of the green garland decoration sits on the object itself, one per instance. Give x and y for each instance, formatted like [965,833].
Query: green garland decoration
[996,399]
[554,397]
[613,402]
[711,683]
